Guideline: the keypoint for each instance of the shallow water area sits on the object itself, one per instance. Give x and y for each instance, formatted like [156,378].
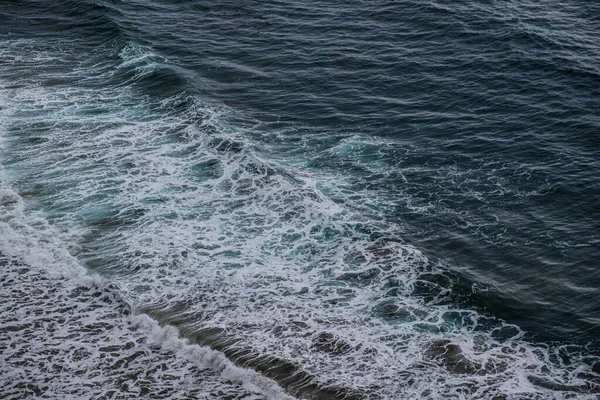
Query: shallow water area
[67,333]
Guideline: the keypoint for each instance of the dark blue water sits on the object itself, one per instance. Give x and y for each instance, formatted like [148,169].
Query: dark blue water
[331,194]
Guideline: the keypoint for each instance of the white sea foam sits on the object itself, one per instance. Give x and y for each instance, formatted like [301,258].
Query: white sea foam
[190,223]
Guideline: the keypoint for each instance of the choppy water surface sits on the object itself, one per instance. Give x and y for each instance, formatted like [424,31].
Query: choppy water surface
[375,200]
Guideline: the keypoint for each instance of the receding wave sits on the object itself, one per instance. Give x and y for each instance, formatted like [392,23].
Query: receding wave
[67,333]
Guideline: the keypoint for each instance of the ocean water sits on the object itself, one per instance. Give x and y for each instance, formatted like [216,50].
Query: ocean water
[322,200]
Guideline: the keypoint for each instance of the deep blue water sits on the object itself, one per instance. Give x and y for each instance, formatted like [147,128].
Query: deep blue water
[335,195]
